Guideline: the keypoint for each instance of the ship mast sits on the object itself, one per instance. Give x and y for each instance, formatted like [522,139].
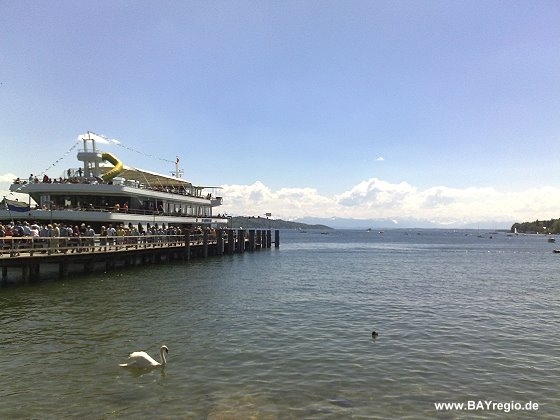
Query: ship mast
[178,172]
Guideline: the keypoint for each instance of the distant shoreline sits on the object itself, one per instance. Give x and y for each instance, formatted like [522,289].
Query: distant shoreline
[266,223]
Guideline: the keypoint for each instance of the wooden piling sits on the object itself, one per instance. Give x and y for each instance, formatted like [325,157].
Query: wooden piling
[205,243]
[63,269]
[240,241]
[276,238]
[35,272]
[188,244]
[219,242]
[231,241]
[251,239]
[25,273]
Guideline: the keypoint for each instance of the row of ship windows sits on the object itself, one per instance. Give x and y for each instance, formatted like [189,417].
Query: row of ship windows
[123,205]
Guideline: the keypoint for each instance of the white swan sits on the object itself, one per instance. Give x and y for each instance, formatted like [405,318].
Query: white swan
[142,360]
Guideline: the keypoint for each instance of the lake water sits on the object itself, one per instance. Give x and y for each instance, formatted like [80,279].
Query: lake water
[286,333]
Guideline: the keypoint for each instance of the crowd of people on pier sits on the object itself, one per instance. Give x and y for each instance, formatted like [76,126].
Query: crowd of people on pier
[35,230]
[65,237]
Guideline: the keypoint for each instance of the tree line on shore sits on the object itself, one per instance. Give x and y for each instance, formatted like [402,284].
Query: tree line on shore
[538,226]
[266,223]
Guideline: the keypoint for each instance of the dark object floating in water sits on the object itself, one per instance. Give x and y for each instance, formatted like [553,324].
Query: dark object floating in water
[374,334]
[556,251]
[341,402]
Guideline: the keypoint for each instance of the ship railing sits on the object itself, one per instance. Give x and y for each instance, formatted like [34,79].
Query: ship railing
[123,211]
[12,246]
[73,176]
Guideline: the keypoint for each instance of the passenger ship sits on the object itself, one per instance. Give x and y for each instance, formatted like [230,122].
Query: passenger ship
[105,191]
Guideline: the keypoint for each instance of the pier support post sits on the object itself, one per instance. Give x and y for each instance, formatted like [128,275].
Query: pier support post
[219,242]
[268,238]
[63,270]
[188,245]
[277,238]
[35,272]
[4,276]
[231,241]
[241,241]
[251,239]
[205,243]
[25,273]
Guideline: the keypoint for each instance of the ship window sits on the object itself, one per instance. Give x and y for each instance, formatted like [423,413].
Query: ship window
[44,200]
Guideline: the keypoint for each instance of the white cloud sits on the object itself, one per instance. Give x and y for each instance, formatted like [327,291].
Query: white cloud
[7,179]
[380,159]
[375,193]
[257,199]
[378,199]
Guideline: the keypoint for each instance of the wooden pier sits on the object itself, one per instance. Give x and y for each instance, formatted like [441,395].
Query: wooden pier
[29,256]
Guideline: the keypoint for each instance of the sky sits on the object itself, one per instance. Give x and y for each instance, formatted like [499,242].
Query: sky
[440,112]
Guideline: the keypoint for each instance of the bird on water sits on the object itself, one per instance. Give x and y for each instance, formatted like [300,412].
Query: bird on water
[374,334]
[142,360]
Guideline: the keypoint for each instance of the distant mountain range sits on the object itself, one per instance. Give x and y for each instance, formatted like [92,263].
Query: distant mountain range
[344,223]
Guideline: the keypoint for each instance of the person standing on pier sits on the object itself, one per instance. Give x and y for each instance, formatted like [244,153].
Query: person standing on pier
[56,236]
[111,234]
[103,238]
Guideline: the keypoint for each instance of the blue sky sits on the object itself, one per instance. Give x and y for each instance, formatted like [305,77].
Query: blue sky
[440,111]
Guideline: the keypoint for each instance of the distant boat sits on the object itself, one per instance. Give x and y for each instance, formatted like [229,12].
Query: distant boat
[556,251]
[480,235]
[551,240]
[514,232]
[368,230]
